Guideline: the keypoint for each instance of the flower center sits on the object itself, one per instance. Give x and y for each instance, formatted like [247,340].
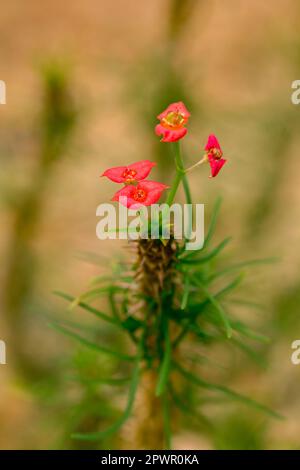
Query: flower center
[174,119]
[139,195]
[129,175]
[216,153]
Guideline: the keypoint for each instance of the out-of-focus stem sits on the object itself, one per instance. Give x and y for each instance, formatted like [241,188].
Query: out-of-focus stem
[57,122]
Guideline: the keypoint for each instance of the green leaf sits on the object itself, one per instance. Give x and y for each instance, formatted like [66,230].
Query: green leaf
[89,344]
[100,279]
[101,380]
[114,307]
[205,337]
[94,293]
[213,221]
[241,265]
[208,256]
[218,308]
[230,393]
[127,412]
[190,411]
[248,332]
[163,375]
[231,286]
[132,324]
[88,308]
[247,303]
[257,358]
[186,291]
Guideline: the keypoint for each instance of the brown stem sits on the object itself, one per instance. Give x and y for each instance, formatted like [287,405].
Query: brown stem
[155,279]
[145,429]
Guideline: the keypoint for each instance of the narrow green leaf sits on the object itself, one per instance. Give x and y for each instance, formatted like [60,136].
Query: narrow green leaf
[190,411]
[230,393]
[247,303]
[257,358]
[114,307]
[100,279]
[248,332]
[191,325]
[88,308]
[165,365]
[100,380]
[241,265]
[231,286]
[186,291]
[213,221]
[127,412]
[94,294]
[209,256]
[219,309]
[89,344]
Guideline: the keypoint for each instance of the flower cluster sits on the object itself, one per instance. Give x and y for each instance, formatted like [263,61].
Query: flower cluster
[137,191]
[172,128]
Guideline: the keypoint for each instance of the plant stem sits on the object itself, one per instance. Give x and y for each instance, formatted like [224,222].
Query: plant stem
[180,176]
[179,173]
[204,160]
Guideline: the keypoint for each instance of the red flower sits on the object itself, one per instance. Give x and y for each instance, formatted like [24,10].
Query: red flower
[214,155]
[172,122]
[144,194]
[131,173]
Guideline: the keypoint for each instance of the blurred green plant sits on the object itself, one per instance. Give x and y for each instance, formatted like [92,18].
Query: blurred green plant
[56,126]
[240,431]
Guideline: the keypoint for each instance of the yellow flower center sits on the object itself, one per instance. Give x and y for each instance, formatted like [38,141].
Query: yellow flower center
[139,195]
[174,120]
[129,175]
[216,153]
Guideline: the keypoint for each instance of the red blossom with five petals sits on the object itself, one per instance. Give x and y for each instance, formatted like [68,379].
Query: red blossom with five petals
[172,122]
[214,155]
[144,194]
[131,173]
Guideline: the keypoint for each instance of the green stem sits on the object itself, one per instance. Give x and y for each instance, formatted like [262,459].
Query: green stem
[180,176]
[179,173]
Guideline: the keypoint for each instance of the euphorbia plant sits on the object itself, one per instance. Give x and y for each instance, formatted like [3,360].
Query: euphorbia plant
[166,301]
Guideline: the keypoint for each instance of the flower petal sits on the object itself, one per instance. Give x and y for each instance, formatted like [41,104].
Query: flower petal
[115,174]
[212,142]
[153,191]
[123,193]
[216,165]
[152,185]
[170,135]
[134,172]
[178,107]
[142,168]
